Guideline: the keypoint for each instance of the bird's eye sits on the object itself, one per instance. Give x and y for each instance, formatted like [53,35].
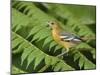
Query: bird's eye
[52,23]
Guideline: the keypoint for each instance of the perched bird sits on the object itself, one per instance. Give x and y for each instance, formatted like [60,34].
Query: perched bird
[65,39]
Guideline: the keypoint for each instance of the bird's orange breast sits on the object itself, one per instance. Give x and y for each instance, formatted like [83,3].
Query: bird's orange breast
[57,38]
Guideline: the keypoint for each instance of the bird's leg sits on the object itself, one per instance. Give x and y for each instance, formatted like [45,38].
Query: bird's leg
[67,50]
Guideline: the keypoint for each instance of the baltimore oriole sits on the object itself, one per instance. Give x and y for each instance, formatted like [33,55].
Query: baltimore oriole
[65,39]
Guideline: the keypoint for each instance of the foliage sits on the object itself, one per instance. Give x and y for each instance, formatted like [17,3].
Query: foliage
[33,48]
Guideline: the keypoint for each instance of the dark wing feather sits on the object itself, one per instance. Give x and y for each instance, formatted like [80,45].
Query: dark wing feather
[68,37]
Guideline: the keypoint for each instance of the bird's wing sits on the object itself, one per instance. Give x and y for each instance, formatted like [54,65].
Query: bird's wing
[68,37]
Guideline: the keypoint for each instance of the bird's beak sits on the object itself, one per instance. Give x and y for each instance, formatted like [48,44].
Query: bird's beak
[48,25]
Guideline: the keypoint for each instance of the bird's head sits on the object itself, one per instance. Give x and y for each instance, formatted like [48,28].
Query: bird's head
[53,24]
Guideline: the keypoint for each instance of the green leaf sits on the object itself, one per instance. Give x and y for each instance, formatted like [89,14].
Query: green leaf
[31,57]
[25,54]
[48,60]
[16,42]
[40,57]
[47,40]
[83,61]
[16,70]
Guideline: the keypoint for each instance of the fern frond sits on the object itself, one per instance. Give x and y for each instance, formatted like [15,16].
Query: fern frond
[31,53]
[83,61]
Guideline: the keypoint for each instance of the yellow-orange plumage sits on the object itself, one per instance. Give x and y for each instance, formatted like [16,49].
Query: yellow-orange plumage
[64,39]
[56,36]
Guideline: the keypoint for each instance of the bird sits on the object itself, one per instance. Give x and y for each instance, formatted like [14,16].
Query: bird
[63,38]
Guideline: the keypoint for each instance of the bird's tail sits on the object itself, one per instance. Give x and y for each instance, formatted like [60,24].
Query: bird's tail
[83,39]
